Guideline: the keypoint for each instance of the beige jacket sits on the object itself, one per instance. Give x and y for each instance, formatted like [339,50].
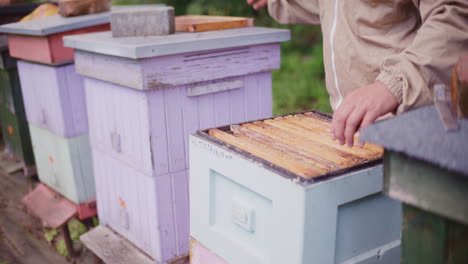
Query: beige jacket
[409,45]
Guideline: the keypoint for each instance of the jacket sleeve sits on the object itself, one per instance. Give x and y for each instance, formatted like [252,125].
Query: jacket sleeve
[304,12]
[439,42]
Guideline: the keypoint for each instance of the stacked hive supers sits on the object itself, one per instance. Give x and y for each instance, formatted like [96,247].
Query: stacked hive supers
[281,190]
[145,95]
[55,108]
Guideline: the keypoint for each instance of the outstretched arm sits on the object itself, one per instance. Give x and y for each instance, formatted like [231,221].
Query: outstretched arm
[406,79]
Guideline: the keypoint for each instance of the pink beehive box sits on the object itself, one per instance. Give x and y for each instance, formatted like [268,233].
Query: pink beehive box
[145,95]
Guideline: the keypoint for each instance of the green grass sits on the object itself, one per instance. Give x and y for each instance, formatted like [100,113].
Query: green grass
[298,85]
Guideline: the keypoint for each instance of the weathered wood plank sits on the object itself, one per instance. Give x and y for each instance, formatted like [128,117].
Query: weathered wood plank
[282,159]
[426,186]
[215,87]
[432,239]
[296,128]
[251,131]
[185,68]
[317,124]
[112,248]
[195,23]
[278,131]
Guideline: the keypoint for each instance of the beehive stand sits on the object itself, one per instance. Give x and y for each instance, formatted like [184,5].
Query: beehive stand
[281,191]
[56,112]
[145,95]
[426,170]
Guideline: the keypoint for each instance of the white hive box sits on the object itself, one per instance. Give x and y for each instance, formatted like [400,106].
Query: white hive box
[281,191]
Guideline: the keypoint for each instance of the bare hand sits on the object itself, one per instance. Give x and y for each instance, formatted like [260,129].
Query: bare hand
[257,4]
[360,109]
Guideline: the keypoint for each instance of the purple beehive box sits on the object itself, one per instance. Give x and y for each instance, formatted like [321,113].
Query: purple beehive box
[145,95]
[54,98]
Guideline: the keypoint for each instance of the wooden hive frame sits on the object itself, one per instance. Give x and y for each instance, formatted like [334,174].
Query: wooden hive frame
[262,140]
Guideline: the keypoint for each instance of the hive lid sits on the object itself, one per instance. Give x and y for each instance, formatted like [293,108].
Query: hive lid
[57,24]
[182,42]
[299,143]
[421,134]
[54,24]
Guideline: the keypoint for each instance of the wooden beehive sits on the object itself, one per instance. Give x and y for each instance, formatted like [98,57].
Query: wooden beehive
[145,95]
[426,169]
[281,191]
[55,104]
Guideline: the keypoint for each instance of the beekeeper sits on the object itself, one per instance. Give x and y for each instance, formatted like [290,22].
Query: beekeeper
[381,56]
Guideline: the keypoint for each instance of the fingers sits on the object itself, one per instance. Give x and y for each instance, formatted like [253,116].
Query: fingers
[260,4]
[339,123]
[257,4]
[368,119]
[352,124]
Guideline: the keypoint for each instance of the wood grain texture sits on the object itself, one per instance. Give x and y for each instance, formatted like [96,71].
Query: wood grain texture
[276,156]
[151,212]
[112,248]
[153,125]
[47,49]
[180,69]
[54,98]
[299,143]
[194,23]
[426,186]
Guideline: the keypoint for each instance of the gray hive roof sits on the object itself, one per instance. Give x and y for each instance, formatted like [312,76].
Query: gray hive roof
[420,134]
[57,24]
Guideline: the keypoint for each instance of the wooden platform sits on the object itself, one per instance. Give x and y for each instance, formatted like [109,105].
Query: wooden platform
[48,206]
[112,248]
